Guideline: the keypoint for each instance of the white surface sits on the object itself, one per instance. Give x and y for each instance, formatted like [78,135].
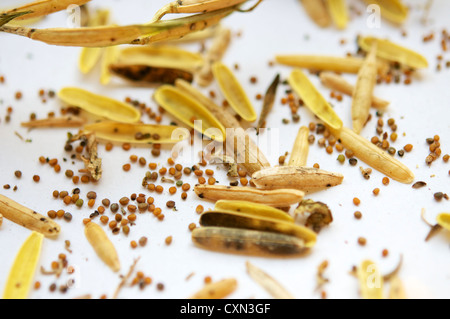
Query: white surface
[391,220]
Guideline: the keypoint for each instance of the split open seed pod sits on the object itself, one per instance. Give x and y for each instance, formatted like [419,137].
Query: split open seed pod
[233,92]
[136,134]
[394,52]
[443,220]
[255,209]
[189,111]
[99,105]
[392,10]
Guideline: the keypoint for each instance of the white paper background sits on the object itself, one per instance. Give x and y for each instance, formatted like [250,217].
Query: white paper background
[391,220]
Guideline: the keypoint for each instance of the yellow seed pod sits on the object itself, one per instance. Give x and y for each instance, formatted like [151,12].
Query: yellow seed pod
[24,267]
[313,99]
[189,111]
[162,56]
[444,220]
[252,222]
[216,290]
[338,12]
[394,52]
[392,10]
[136,134]
[233,92]
[98,105]
[103,247]
[255,209]
[370,280]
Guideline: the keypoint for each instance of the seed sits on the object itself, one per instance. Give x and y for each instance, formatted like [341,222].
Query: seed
[438,196]
[356,201]
[79,202]
[105,202]
[357,215]
[126,167]
[341,158]
[170,204]
[362,241]
[385,253]
[124,201]
[192,226]
[51,214]
[143,241]
[385,181]
[408,147]
[353,161]
[104,219]
[126,229]
[376,191]
[199,209]
[132,217]
[114,207]
[168,240]
[68,217]
[36,178]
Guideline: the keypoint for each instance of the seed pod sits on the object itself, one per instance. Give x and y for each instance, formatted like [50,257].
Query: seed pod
[255,209]
[392,10]
[216,290]
[188,110]
[307,179]
[338,12]
[64,121]
[328,63]
[1,220]
[300,150]
[214,54]
[248,242]
[267,282]
[239,145]
[161,56]
[22,272]
[370,280]
[195,6]
[338,83]
[233,92]
[396,289]
[28,218]
[372,155]
[247,221]
[313,99]
[102,245]
[317,11]
[394,52]
[363,92]
[138,134]
[116,35]
[44,7]
[269,99]
[99,105]
[277,198]
[143,74]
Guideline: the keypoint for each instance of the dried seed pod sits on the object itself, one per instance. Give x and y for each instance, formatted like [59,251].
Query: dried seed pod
[1,220]
[269,99]
[328,63]
[214,54]
[188,110]
[116,35]
[161,56]
[313,99]
[233,92]
[300,150]
[22,272]
[138,134]
[338,12]
[99,105]
[90,56]
[216,290]
[195,6]
[239,145]
[102,245]
[64,121]
[317,11]
[362,95]
[277,198]
[144,74]
[251,222]
[372,155]
[258,210]
[274,288]
[392,10]
[248,242]
[28,218]
[370,280]
[307,179]
[338,83]
[44,7]
[394,52]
